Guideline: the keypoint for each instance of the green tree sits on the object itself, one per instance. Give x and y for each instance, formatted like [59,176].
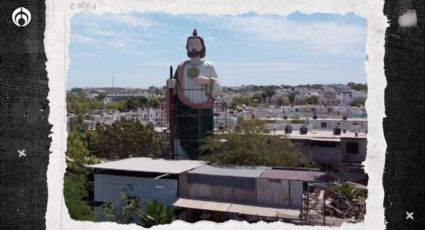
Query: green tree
[346,191]
[312,100]
[360,101]
[124,138]
[297,121]
[79,104]
[77,154]
[75,191]
[154,102]
[358,86]
[281,100]
[126,213]
[132,104]
[268,92]
[94,104]
[240,100]
[100,96]
[291,98]
[155,213]
[257,97]
[129,211]
[252,147]
[76,90]
[75,180]
[143,101]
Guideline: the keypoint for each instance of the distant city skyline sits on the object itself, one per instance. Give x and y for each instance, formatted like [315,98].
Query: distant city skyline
[138,48]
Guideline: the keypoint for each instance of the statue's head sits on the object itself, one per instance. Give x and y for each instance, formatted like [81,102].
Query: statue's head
[195,45]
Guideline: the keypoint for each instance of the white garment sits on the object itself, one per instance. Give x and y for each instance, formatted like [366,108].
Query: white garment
[198,93]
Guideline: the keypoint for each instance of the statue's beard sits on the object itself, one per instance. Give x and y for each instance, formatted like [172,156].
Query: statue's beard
[194,53]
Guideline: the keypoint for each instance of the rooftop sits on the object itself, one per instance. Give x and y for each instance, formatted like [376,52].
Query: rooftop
[291,175]
[288,120]
[144,164]
[229,171]
[320,135]
[238,208]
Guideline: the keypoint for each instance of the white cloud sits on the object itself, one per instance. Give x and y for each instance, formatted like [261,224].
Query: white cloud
[90,20]
[79,38]
[323,37]
[129,20]
[115,31]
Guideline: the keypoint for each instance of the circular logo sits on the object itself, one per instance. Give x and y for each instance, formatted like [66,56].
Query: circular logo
[21,17]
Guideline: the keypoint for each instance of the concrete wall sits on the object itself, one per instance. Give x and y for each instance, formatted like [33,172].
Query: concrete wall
[352,157]
[349,125]
[323,155]
[320,155]
[107,188]
[281,126]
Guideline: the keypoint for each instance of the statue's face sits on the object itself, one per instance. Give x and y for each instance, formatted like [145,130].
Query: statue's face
[194,45]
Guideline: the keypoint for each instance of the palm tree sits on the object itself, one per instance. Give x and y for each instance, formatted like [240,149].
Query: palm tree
[155,213]
[346,191]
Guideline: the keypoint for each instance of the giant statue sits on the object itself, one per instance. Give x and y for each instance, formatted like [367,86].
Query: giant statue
[190,100]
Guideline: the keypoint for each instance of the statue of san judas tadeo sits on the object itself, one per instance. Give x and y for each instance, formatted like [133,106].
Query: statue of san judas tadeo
[190,100]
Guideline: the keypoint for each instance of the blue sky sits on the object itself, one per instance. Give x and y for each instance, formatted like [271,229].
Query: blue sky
[262,49]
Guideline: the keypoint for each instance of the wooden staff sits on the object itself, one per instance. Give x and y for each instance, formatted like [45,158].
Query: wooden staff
[171,109]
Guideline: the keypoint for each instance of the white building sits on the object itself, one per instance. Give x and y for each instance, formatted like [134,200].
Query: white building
[146,178]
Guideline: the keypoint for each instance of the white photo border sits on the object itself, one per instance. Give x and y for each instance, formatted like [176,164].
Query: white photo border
[57,40]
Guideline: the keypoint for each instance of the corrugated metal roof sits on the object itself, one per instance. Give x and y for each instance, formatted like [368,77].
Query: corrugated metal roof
[291,175]
[202,204]
[229,171]
[265,211]
[144,164]
[238,208]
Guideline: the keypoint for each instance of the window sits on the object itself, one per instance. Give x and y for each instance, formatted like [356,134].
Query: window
[352,148]
[355,123]
[323,125]
[324,144]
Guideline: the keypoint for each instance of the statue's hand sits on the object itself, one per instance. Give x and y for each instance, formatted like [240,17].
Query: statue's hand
[201,80]
[171,83]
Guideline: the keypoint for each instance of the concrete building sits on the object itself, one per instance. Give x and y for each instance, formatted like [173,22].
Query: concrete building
[204,191]
[328,97]
[146,178]
[344,98]
[350,124]
[343,153]
[357,94]
[319,124]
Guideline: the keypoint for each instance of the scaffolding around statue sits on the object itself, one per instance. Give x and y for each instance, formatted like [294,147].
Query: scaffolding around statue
[190,128]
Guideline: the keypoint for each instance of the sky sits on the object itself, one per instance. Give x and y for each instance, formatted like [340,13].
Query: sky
[136,49]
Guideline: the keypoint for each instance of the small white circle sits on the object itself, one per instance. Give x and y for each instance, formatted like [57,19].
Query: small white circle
[21,16]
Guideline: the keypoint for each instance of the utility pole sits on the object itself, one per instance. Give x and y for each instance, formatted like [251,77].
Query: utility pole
[112,83]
